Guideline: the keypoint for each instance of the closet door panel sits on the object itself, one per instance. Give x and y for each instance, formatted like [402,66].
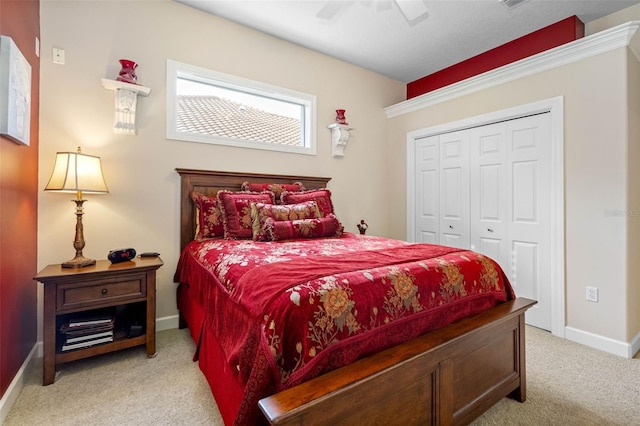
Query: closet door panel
[427,190]
[529,214]
[526,267]
[525,192]
[429,207]
[490,192]
[488,171]
[454,189]
[492,248]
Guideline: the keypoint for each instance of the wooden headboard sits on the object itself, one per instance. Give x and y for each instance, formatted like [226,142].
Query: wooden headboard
[210,182]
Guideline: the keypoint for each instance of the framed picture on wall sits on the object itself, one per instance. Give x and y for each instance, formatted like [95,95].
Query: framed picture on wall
[15,92]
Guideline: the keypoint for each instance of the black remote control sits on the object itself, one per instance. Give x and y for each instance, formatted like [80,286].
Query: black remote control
[149,254]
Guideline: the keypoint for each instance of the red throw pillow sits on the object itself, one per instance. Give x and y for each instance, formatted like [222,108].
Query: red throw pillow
[236,211]
[260,212]
[208,217]
[320,196]
[322,227]
[276,188]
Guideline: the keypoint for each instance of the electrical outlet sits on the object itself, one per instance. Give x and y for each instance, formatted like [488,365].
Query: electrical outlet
[592,294]
[58,56]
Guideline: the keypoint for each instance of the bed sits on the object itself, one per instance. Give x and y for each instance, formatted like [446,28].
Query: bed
[426,370]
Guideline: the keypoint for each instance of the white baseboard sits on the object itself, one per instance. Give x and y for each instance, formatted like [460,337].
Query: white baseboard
[635,345]
[167,323]
[14,389]
[606,344]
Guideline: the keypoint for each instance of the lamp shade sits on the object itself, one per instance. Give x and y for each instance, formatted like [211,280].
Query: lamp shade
[77,172]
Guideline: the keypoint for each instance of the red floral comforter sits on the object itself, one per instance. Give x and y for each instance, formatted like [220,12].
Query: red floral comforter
[285,312]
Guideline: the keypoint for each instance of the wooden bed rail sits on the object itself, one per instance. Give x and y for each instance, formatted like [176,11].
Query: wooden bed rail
[448,376]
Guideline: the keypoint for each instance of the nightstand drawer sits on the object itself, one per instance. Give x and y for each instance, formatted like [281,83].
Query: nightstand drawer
[71,296]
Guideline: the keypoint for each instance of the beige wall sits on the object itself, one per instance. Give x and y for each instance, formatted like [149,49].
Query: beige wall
[597,178]
[633,208]
[141,210]
[623,16]
[633,194]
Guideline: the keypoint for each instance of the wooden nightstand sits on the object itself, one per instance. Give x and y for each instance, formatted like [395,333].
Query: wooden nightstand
[127,289]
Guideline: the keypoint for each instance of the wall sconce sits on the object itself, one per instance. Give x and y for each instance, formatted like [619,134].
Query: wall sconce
[75,172]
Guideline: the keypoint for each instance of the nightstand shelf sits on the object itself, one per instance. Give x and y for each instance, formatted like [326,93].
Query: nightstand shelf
[126,289]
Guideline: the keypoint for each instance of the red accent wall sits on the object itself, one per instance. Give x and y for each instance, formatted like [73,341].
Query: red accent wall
[19,20]
[554,35]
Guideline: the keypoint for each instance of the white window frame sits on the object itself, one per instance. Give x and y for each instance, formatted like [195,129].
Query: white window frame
[177,70]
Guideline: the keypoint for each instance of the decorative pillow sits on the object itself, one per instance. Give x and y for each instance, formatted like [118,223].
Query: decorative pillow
[320,196]
[208,217]
[276,188]
[322,227]
[260,212]
[236,211]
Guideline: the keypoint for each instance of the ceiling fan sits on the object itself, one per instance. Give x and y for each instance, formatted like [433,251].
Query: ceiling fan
[411,9]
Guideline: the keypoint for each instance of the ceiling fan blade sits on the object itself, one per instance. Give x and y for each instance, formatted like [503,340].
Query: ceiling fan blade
[331,9]
[412,9]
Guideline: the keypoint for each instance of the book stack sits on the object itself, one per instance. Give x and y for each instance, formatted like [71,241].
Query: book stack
[84,332]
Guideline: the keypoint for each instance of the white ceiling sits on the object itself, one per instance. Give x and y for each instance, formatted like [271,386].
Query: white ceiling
[375,34]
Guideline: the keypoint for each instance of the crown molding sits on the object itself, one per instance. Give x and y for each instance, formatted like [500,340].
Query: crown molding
[574,51]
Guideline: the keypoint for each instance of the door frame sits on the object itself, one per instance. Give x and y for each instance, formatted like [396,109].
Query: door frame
[554,106]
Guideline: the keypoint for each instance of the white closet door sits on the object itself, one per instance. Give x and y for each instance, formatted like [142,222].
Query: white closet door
[454,189]
[488,189]
[488,173]
[427,187]
[529,189]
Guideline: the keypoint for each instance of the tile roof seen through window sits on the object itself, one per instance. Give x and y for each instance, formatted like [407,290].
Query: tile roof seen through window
[211,115]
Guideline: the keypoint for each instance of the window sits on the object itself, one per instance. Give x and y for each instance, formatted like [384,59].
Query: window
[211,107]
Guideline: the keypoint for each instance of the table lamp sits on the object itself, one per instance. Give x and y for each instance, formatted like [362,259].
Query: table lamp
[75,172]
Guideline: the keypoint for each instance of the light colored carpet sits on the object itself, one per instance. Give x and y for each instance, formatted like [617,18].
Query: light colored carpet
[122,388]
[568,384]
[571,384]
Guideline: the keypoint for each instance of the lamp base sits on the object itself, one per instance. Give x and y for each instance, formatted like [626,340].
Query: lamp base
[78,262]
